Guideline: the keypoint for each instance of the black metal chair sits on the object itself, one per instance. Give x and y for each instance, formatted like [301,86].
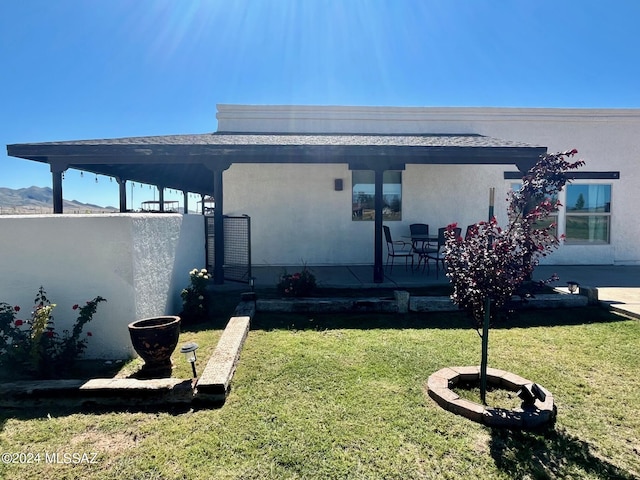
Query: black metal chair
[437,255]
[392,253]
[419,241]
[468,232]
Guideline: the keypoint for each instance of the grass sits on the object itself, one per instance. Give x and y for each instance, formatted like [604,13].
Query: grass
[343,397]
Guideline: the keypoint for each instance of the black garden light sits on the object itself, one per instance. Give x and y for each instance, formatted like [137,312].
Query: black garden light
[189,350]
[573,286]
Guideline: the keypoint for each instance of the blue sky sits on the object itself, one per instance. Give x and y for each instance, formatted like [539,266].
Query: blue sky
[82,69]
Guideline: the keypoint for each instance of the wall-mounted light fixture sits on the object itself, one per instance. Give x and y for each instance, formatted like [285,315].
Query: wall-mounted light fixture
[337,184]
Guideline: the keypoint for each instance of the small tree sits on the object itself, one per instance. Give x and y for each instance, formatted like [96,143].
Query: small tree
[491,263]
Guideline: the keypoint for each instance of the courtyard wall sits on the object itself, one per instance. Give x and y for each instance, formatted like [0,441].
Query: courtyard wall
[138,262]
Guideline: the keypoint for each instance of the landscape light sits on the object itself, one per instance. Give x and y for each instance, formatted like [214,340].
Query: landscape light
[573,286]
[189,350]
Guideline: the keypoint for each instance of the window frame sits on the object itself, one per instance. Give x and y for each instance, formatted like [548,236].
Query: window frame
[359,213]
[586,214]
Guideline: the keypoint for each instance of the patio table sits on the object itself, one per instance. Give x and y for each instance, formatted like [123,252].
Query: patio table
[425,242]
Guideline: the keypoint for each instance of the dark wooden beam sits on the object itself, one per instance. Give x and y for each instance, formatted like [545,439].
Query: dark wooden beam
[378,267]
[122,194]
[573,175]
[57,169]
[161,198]
[218,228]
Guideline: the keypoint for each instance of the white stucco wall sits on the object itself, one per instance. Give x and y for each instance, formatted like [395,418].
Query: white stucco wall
[138,262]
[296,214]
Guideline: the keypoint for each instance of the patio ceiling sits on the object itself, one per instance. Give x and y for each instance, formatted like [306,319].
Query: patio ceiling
[187,162]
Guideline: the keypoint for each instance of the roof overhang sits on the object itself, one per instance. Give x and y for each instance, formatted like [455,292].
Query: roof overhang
[187,162]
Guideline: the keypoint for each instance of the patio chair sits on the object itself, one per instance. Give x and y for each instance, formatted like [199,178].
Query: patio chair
[437,255]
[392,253]
[468,232]
[419,241]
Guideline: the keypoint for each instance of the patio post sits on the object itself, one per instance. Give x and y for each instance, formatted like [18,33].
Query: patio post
[378,268]
[122,186]
[57,169]
[218,229]
[185,196]
[161,198]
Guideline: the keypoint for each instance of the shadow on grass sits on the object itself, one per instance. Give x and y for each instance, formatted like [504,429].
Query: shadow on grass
[549,454]
[428,320]
[58,411]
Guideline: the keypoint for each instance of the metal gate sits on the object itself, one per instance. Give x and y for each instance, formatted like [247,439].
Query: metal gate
[237,247]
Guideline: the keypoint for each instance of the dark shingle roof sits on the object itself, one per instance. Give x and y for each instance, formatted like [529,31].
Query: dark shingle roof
[275,139]
[185,162]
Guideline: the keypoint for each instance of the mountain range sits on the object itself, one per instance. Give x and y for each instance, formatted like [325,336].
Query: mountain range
[36,200]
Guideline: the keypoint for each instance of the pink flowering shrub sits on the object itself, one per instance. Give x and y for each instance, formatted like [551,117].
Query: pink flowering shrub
[299,284]
[33,345]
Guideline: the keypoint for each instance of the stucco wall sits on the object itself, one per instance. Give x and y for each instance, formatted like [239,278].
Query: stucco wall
[138,262]
[296,215]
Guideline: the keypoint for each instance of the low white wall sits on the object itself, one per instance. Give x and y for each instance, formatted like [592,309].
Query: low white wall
[138,262]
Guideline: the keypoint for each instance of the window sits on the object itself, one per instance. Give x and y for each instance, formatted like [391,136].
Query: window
[363,191]
[551,219]
[588,213]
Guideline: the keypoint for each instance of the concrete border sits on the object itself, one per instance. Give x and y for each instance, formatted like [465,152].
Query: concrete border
[210,389]
[439,387]
[397,304]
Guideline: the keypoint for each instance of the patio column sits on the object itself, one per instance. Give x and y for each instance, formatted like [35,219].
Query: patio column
[57,169]
[217,167]
[378,267]
[218,229]
[161,198]
[122,187]
[185,196]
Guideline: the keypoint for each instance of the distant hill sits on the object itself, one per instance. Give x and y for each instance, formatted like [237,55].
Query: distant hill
[34,200]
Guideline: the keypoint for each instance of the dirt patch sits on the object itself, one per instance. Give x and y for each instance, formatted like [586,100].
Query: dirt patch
[106,442]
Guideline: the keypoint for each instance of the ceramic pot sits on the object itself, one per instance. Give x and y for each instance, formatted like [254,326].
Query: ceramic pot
[155,339]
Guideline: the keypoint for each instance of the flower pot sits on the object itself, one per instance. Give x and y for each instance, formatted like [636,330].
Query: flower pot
[155,339]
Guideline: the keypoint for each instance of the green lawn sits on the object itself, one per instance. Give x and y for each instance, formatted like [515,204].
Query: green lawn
[343,397]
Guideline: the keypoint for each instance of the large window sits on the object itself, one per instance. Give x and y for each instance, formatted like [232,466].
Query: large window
[552,219]
[588,213]
[363,191]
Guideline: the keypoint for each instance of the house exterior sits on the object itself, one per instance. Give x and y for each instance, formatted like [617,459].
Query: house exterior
[300,214]
[318,184]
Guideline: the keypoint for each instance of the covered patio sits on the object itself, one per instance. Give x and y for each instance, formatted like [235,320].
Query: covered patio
[195,163]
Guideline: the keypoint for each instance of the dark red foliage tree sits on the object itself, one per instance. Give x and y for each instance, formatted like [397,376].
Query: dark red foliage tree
[490,264]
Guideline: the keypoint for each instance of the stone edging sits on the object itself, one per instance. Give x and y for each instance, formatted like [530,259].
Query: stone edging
[399,304]
[439,388]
